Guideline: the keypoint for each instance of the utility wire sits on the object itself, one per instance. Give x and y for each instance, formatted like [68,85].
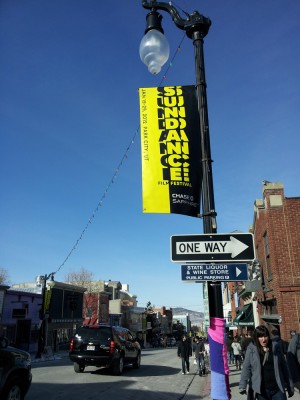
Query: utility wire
[100,203]
[112,180]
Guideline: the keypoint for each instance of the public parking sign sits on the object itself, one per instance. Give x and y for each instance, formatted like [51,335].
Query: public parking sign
[229,247]
[213,272]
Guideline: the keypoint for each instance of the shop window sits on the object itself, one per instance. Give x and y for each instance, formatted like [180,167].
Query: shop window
[19,313]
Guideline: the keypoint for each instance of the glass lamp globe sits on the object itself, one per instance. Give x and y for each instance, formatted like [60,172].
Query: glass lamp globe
[154,50]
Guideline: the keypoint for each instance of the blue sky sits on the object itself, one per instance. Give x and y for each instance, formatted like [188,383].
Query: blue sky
[70,151]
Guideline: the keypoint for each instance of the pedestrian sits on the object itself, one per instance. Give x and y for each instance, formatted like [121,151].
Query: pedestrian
[230,357]
[293,359]
[275,336]
[265,368]
[184,351]
[247,338]
[237,351]
[199,353]
[207,355]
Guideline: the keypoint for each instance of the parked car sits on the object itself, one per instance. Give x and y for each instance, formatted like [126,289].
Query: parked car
[171,341]
[104,346]
[15,372]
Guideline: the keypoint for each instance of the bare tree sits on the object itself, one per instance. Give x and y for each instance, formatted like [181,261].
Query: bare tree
[82,278]
[3,276]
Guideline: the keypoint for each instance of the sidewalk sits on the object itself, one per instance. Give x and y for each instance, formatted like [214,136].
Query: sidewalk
[49,356]
[200,387]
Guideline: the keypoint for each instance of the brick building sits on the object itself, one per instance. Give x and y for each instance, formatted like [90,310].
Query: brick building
[276,229]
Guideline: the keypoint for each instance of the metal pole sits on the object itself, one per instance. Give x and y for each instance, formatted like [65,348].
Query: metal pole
[41,338]
[196,27]
[215,300]
[208,202]
[43,331]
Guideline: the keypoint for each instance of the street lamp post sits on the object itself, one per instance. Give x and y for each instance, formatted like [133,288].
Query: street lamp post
[42,337]
[154,52]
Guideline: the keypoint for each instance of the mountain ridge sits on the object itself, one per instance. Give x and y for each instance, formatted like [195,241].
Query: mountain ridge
[196,317]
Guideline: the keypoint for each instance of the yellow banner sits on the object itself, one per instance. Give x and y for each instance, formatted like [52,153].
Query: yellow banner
[170,145]
[47,300]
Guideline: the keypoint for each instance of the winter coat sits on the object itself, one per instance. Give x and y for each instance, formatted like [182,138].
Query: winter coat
[294,346]
[252,370]
[229,341]
[184,349]
[245,343]
[198,348]
[293,360]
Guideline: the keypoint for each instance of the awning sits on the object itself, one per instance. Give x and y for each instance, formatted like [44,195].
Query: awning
[245,316]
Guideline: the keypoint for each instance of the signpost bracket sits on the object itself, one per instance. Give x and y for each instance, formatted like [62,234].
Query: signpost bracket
[211,213]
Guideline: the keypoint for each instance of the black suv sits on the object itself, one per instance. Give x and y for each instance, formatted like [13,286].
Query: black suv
[15,372]
[104,346]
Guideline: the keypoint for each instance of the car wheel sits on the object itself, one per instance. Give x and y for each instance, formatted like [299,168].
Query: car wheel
[13,390]
[78,367]
[137,362]
[118,366]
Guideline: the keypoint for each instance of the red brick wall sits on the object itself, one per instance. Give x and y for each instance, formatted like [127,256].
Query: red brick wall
[282,225]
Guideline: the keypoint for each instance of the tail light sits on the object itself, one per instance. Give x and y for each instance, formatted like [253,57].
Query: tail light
[112,347]
[71,344]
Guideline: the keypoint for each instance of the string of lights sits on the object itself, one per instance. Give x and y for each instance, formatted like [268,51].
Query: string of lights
[100,203]
[112,180]
[170,65]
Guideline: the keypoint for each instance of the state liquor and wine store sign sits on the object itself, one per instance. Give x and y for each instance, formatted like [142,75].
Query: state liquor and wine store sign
[214,272]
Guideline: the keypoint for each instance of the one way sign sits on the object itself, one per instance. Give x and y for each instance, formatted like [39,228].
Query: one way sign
[231,247]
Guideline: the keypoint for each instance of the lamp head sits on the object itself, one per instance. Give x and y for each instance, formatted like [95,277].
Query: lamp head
[154,47]
[153,19]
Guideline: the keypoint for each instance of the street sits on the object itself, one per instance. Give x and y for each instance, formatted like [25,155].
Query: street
[159,377]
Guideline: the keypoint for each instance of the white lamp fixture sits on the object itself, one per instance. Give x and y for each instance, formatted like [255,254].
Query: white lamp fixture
[154,47]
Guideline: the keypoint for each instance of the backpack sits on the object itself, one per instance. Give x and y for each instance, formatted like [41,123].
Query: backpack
[293,355]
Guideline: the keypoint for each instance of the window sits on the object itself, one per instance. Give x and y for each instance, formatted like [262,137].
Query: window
[19,313]
[229,317]
[263,281]
[267,255]
[103,334]
[88,313]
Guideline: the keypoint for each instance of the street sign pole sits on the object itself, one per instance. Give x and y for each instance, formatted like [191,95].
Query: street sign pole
[208,201]
[196,27]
